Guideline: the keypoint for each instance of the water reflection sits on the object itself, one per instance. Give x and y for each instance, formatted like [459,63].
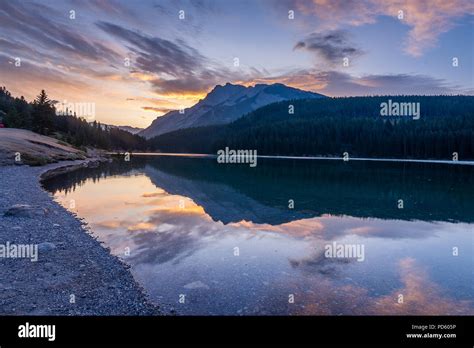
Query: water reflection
[421,296]
[431,192]
[225,238]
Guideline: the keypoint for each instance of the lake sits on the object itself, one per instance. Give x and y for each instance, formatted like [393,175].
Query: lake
[288,237]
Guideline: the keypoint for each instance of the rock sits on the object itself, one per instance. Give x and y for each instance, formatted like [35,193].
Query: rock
[25,210]
[46,246]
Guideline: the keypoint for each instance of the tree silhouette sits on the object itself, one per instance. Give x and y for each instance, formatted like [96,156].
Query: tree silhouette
[43,114]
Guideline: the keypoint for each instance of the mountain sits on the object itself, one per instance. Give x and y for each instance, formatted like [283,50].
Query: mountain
[129,129]
[133,130]
[223,105]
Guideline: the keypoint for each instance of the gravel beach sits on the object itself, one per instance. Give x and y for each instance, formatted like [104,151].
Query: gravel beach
[74,273]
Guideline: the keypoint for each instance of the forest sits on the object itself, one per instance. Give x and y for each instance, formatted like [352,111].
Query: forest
[40,116]
[332,126]
[444,128]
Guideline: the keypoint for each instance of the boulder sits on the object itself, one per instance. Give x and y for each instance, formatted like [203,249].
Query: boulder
[25,210]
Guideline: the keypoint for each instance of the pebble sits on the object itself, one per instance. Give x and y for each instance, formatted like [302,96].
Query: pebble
[46,247]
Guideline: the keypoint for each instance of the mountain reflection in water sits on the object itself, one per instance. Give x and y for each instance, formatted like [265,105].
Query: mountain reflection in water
[225,237]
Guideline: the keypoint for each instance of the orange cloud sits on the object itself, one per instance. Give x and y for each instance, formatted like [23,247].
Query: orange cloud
[153,194]
[426,18]
[156,109]
[421,296]
[142,226]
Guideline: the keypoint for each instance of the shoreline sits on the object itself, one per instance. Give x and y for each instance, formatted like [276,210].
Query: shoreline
[206,155]
[74,274]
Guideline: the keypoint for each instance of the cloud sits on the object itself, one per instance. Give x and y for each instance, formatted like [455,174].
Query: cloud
[176,66]
[161,106]
[335,83]
[24,80]
[427,19]
[188,84]
[332,47]
[172,67]
[394,84]
[110,7]
[26,21]
[157,109]
[334,12]
[196,13]
[155,54]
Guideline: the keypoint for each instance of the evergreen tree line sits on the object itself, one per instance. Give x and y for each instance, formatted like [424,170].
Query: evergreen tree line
[332,126]
[40,116]
[311,127]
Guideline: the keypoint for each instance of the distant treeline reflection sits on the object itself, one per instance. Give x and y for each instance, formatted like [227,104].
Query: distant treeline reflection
[430,192]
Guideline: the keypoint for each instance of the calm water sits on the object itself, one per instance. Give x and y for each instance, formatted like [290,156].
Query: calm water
[224,236]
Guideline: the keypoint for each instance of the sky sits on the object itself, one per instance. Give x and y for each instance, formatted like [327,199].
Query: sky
[136,60]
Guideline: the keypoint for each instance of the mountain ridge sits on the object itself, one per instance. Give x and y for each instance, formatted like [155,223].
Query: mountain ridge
[225,104]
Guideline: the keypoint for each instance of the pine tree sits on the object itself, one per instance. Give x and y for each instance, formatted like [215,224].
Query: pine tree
[43,114]
[12,118]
